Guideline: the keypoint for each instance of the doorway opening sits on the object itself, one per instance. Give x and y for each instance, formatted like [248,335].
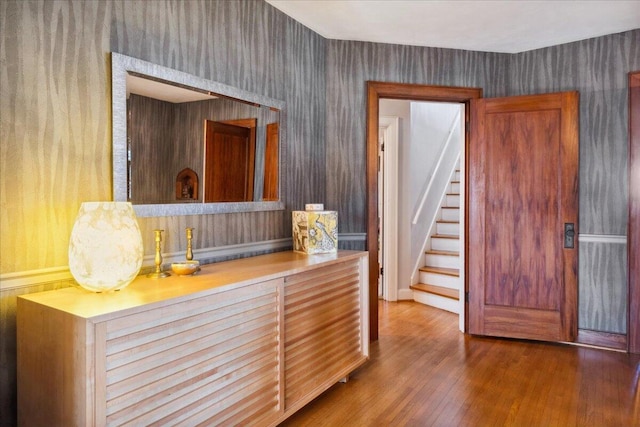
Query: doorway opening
[375,92]
[419,202]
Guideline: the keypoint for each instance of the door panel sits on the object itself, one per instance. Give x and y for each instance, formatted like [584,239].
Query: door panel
[271,165]
[229,162]
[522,190]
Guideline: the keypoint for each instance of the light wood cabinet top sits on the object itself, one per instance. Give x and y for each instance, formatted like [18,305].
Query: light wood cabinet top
[145,293]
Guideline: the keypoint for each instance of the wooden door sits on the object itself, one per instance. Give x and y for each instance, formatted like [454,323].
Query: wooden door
[229,163]
[271,169]
[523,189]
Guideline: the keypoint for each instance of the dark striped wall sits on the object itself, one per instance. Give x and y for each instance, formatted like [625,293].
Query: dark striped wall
[151,137]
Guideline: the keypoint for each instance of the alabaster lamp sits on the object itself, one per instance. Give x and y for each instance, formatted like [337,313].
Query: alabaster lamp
[105,248]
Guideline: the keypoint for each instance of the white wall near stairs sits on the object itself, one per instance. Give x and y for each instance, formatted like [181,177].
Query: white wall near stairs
[420,148]
[439,281]
[435,182]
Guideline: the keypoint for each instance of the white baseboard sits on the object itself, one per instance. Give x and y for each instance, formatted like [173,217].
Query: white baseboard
[405,294]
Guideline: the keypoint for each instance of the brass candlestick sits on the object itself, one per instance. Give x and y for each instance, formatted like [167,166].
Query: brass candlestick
[189,255]
[158,274]
[189,250]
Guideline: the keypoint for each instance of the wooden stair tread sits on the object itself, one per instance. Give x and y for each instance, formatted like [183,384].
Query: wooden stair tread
[439,252]
[453,194]
[441,270]
[437,290]
[449,207]
[446,236]
[445,221]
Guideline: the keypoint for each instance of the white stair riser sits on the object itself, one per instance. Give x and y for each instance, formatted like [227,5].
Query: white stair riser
[452,200]
[440,244]
[450,214]
[444,261]
[448,228]
[443,280]
[437,301]
[455,187]
[456,176]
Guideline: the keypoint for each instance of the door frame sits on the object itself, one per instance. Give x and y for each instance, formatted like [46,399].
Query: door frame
[377,90]
[407,91]
[633,229]
[389,224]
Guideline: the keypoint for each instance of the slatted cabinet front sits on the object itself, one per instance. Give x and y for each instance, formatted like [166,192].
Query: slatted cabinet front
[322,329]
[210,360]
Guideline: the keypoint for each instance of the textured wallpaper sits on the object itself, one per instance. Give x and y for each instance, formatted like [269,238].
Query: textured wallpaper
[602,289]
[56,118]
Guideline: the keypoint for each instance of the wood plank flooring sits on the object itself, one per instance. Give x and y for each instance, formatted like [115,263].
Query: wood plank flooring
[424,372]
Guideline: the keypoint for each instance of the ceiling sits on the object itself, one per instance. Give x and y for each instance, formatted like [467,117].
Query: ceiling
[163,91]
[507,26]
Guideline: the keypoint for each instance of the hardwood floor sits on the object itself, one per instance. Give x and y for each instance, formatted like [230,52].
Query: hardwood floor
[424,372]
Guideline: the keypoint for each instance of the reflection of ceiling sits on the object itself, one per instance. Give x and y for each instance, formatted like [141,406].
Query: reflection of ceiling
[508,26]
[163,91]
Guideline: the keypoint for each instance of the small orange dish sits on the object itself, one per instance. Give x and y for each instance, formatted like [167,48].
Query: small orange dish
[185,268]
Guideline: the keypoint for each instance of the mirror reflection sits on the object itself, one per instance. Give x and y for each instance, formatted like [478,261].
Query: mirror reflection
[192,146]
[184,145]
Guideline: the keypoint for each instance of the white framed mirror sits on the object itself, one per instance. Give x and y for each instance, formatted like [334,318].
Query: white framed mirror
[167,156]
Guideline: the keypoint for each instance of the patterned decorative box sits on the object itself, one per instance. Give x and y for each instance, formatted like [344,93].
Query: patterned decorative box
[315,232]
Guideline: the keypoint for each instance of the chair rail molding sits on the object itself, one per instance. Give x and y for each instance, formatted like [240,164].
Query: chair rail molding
[23,279]
[602,238]
[28,278]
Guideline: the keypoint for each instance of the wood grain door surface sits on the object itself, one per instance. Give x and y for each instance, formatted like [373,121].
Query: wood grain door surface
[523,188]
[229,162]
[271,166]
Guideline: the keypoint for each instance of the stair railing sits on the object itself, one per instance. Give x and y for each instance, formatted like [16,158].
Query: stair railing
[436,170]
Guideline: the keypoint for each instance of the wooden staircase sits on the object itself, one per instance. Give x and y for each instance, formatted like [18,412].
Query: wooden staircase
[439,280]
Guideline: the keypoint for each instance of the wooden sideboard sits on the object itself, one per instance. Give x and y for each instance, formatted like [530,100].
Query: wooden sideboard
[244,342]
